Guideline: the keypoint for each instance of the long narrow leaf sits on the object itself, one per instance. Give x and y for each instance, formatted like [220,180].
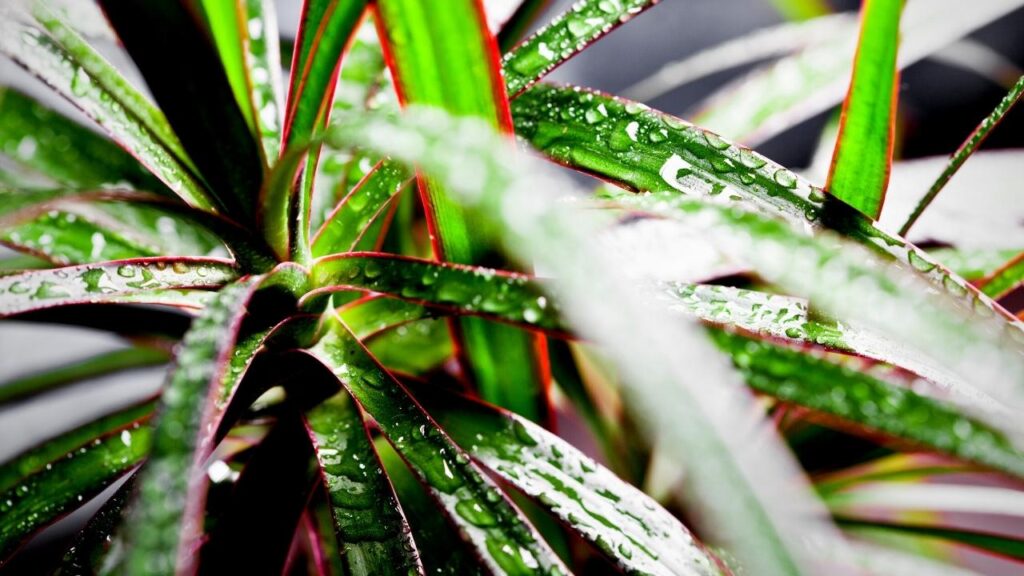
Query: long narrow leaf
[73,69]
[565,36]
[372,533]
[627,525]
[486,519]
[193,90]
[143,280]
[99,365]
[863,153]
[344,227]
[658,358]
[448,58]
[964,152]
[67,471]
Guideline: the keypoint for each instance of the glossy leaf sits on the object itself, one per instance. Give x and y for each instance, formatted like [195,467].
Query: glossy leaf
[448,58]
[246,37]
[42,485]
[1005,279]
[657,358]
[863,154]
[39,138]
[64,237]
[143,280]
[565,36]
[372,533]
[644,150]
[78,73]
[93,544]
[471,290]
[92,367]
[326,27]
[486,519]
[860,398]
[965,150]
[769,101]
[973,265]
[192,88]
[163,525]
[625,524]
[344,227]
[519,22]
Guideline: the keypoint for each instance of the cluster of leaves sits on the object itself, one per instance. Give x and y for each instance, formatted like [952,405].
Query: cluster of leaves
[361,362]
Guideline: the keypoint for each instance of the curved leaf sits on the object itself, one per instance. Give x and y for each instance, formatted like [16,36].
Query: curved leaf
[78,73]
[863,153]
[644,150]
[42,485]
[519,22]
[163,525]
[344,227]
[448,58]
[94,543]
[92,367]
[658,358]
[973,141]
[191,87]
[34,135]
[506,296]
[373,535]
[1005,279]
[624,523]
[487,520]
[565,36]
[326,27]
[143,280]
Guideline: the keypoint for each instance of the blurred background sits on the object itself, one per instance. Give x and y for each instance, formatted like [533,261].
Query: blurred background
[941,100]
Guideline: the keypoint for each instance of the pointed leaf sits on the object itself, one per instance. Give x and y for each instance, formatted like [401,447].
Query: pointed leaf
[863,154]
[191,87]
[487,520]
[160,537]
[38,137]
[77,72]
[519,22]
[93,544]
[42,485]
[92,367]
[624,523]
[448,58]
[564,37]
[343,228]
[645,150]
[144,280]
[372,533]
[973,141]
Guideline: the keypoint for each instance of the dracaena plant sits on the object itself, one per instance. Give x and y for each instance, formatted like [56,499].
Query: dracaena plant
[338,271]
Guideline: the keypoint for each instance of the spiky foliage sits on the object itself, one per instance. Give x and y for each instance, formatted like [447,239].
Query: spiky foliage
[337,270]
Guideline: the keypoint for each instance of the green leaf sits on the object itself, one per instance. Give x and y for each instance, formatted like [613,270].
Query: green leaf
[164,522]
[973,141]
[143,280]
[37,137]
[872,402]
[565,36]
[500,295]
[486,519]
[1006,546]
[711,414]
[43,484]
[645,150]
[519,22]
[245,35]
[863,154]
[77,72]
[66,237]
[447,554]
[640,536]
[94,543]
[801,9]
[92,367]
[349,221]
[972,265]
[192,88]
[1005,279]
[372,533]
[447,58]
[326,26]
